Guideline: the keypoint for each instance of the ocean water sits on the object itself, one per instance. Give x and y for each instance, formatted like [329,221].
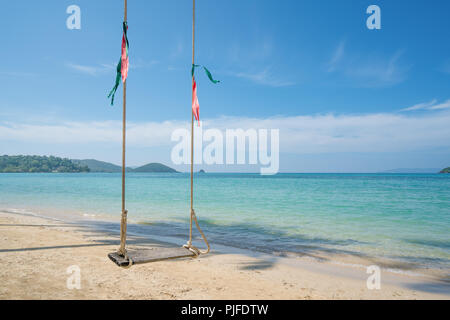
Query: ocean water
[405,217]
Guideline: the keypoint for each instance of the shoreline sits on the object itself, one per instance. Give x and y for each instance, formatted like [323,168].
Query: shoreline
[327,279]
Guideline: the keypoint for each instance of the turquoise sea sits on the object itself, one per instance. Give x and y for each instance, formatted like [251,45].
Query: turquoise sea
[404,217]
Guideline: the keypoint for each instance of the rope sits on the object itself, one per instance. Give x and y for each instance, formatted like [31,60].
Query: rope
[130,262]
[123,222]
[189,245]
[192,129]
[123,234]
[193,217]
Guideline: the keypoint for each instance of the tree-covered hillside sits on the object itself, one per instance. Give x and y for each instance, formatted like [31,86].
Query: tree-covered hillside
[17,164]
[100,166]
[446,170]
[155,167]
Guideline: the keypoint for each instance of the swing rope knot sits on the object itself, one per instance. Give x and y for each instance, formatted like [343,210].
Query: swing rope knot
[122,250]
[189,245]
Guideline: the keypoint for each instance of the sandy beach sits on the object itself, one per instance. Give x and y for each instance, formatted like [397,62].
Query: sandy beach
[36,253]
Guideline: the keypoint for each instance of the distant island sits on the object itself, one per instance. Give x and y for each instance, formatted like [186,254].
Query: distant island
[101,166]
[446,170]
[43,164]
[154,167]
[34,164]
[202,171]
[412,170]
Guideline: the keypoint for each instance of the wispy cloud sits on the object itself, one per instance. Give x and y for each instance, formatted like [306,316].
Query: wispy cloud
[259,54]
[446,67]
[432,105]
[107,67]
[177,50]
[264,78]
[90,70]
[441,106]
[323,133]
[380,72]
[365,70]
[260,51]
[337,57]
[140,64]
[423,105]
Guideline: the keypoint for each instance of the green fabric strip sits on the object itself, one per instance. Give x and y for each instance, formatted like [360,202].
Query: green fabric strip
[193,69]
[125,31]
[116,85]
[208,74]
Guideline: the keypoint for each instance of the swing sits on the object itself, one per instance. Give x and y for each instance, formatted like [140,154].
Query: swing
[123,257]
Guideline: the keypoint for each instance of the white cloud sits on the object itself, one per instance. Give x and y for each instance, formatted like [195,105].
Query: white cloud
[418,106]
[138,134]
[383,132]
[444,105]
[264,78]
[432,105]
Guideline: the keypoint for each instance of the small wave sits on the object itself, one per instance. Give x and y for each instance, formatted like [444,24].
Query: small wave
[26,212]
[89,215]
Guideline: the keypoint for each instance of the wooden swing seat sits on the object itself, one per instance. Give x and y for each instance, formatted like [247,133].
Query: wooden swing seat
[150,255]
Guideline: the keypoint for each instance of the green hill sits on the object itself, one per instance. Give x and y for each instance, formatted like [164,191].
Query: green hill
[446,170]
[21,164]
[154,167]
[100,166]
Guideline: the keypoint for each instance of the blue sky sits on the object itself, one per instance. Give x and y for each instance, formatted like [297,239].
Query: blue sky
[311,62]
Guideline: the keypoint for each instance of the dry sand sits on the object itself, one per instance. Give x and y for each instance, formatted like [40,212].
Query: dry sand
[36,252]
